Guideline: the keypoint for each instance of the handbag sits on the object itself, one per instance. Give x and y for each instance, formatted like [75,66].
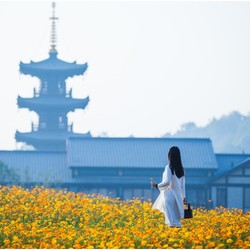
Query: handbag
[188,212]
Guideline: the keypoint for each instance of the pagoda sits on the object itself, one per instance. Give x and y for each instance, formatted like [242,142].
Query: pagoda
[52,101]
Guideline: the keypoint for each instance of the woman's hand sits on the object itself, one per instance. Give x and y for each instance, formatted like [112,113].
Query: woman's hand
[153,184]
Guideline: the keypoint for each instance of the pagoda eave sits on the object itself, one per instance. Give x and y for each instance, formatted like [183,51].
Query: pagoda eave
[40,103]
[53,66]
[45,140]
[41,72]
[45,135]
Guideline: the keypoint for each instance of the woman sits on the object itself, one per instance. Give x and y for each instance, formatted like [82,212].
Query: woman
[172,195]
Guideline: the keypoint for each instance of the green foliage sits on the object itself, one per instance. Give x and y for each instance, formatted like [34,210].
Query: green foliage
[8,175]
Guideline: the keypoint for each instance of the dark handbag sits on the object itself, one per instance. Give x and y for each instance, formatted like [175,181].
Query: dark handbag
[188,212]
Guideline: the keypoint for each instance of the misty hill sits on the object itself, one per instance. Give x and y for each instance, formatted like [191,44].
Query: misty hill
[229,134]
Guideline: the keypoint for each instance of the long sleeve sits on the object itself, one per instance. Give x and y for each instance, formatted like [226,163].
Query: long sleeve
[166,179]
[183,189]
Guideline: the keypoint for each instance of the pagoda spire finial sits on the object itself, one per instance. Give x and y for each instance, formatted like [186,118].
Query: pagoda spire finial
[53,30]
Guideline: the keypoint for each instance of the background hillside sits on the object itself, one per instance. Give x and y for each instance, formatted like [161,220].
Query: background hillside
[229,134]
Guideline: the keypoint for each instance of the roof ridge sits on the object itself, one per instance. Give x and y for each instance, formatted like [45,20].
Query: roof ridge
[141,138]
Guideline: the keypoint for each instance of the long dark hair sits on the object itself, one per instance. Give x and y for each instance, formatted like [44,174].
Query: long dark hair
[174,157]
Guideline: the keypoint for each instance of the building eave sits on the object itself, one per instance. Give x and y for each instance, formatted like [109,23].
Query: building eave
[52,66]
[43,103]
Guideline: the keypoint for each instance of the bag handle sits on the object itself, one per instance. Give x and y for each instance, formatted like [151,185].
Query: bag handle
[188,205]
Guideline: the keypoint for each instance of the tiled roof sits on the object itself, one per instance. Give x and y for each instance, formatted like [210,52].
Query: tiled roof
[38,166]
[54,167]
[226,162]
[139,152]
[36,103]
[53,64]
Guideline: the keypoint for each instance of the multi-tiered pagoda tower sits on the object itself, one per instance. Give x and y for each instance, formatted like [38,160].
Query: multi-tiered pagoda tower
[52,101]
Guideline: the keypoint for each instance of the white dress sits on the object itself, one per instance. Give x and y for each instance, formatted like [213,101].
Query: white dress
[170,199]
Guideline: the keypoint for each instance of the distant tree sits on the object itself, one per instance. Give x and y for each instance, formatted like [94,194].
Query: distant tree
[8,175]
[229,134]
[188,126]
[24,146]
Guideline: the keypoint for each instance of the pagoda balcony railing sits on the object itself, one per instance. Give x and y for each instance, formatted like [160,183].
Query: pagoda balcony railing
[44,91]
[35,127]
[43,125]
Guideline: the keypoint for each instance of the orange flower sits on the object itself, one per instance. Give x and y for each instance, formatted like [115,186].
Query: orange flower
[46,218]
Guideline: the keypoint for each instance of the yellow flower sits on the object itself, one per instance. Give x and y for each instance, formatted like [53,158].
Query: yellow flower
[210,245]
[15,238]
[90,247]
[46,218]
[221,245]
[197,247]
[7,242]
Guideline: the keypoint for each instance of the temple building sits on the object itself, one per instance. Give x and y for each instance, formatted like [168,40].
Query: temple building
[53,101]
[116,167]
[122,167]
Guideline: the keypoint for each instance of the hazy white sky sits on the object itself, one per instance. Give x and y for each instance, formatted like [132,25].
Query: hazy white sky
[153,65]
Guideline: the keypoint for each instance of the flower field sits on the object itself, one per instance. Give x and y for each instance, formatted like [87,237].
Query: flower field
[45,218]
